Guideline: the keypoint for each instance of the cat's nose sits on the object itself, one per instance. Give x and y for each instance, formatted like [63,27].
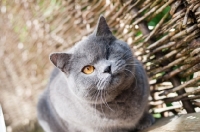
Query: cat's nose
[107,69]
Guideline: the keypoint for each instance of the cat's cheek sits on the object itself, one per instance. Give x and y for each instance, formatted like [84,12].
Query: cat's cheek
[117,80]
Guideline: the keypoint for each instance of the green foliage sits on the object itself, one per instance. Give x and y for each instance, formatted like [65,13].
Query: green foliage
[169,104]
[157,115]
[158,17]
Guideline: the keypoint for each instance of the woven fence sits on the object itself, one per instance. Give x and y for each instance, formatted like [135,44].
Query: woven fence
[164,35]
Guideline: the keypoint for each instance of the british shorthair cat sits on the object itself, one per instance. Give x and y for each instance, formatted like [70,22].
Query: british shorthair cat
[98,86]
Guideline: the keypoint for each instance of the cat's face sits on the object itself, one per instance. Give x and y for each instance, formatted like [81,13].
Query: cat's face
[100,66]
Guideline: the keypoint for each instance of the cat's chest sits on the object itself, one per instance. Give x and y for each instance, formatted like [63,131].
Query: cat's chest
[106,116]
[87,117]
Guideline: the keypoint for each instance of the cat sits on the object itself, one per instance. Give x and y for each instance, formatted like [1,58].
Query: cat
[98,86]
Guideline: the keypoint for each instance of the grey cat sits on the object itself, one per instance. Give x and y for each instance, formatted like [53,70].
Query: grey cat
[98,86]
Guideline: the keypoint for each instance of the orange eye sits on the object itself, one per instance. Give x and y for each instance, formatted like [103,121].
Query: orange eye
[88,69]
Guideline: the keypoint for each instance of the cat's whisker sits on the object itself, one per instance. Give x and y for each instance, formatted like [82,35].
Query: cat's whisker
[100,82]
[124,55]
[91,88]
[102,85]
[106,104]
[96,101]
[89,91]
[119,64]
[94,97]
[126,74]
[134,78]
[132,64]
[130,58]
[101,104]
[130,72]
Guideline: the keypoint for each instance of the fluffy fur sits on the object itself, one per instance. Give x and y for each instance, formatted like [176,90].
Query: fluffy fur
[111,99]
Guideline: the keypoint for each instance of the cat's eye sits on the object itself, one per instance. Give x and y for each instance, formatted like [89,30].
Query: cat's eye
[88,69]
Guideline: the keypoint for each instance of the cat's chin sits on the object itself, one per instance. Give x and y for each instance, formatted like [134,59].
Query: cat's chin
[102,97]
[101,101]
[106,90]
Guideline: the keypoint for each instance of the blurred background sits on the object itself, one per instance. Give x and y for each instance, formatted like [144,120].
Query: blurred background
[163,34]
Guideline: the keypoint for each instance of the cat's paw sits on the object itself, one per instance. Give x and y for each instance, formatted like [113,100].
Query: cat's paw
[146,121]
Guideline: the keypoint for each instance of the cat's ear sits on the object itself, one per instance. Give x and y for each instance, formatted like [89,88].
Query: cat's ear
[60,60]
[102,28]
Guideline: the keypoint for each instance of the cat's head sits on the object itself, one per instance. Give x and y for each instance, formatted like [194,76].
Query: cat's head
[99,67]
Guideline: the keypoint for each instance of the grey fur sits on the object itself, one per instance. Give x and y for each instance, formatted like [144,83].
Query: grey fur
[113,98]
